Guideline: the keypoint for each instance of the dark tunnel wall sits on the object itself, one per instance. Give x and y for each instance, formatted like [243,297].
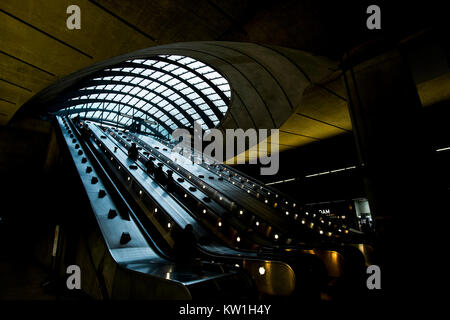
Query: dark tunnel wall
[29,156]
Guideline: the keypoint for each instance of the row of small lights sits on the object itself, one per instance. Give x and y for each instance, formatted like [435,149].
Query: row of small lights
[311,225]
[75,142]
[287,212]
[185,195]
[169,225]
[219,223]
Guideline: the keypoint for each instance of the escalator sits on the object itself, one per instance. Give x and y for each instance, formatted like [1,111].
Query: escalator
[132,262]
[167,214]
[332,250]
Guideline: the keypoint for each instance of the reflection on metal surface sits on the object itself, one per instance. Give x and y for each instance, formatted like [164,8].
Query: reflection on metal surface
[333,261]
[367,251]
[272,277]
[123,280]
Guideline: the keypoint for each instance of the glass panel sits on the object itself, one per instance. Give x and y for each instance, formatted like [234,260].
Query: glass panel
[160,64]
[126,99]
[187,91]
[219,103]
[186,60]
[97,114]
[187,75]
[153,85]
[136,80]
[170,67]
[133,101]
[147,72]
[172,82]
[140,104]
[138,70]
[185,106]
[142,93]
[196,65]
[194,80]
[207,91]
[173,111]
[198,101]
[179,71]
[167,92]
[174,57]
[212,75]
[160,89]
[202,85]
[125,109]
[150,96]
[214,96]
[127,79]
[219,81]
[163,103]
[118,97]
[135,90]
[193,96]
[145,83]
[202,70]
[152,110]
[156,100]
[165,78]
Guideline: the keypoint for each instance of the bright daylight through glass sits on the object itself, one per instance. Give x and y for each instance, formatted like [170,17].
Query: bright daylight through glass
[163,93]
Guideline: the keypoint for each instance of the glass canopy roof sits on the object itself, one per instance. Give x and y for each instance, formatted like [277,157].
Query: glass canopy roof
[162,93]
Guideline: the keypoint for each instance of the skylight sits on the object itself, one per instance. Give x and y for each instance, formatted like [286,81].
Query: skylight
[168,91]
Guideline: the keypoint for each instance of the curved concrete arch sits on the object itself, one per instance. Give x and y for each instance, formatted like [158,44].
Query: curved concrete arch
[271,88]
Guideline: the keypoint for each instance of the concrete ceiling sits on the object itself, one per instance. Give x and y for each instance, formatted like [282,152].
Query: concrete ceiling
[37,49]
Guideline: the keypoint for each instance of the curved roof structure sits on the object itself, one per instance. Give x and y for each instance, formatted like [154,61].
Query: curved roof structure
[165,91]
[272,88]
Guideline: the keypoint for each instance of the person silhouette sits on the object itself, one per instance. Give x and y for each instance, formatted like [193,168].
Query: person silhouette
[185,246]
[170,181]
[149,166]
[133,152]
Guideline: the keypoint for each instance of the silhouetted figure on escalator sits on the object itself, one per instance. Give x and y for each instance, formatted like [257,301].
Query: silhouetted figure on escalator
[185,247]
[85,131]
[170,182]
[159,174]
[133,152]
[149,166]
